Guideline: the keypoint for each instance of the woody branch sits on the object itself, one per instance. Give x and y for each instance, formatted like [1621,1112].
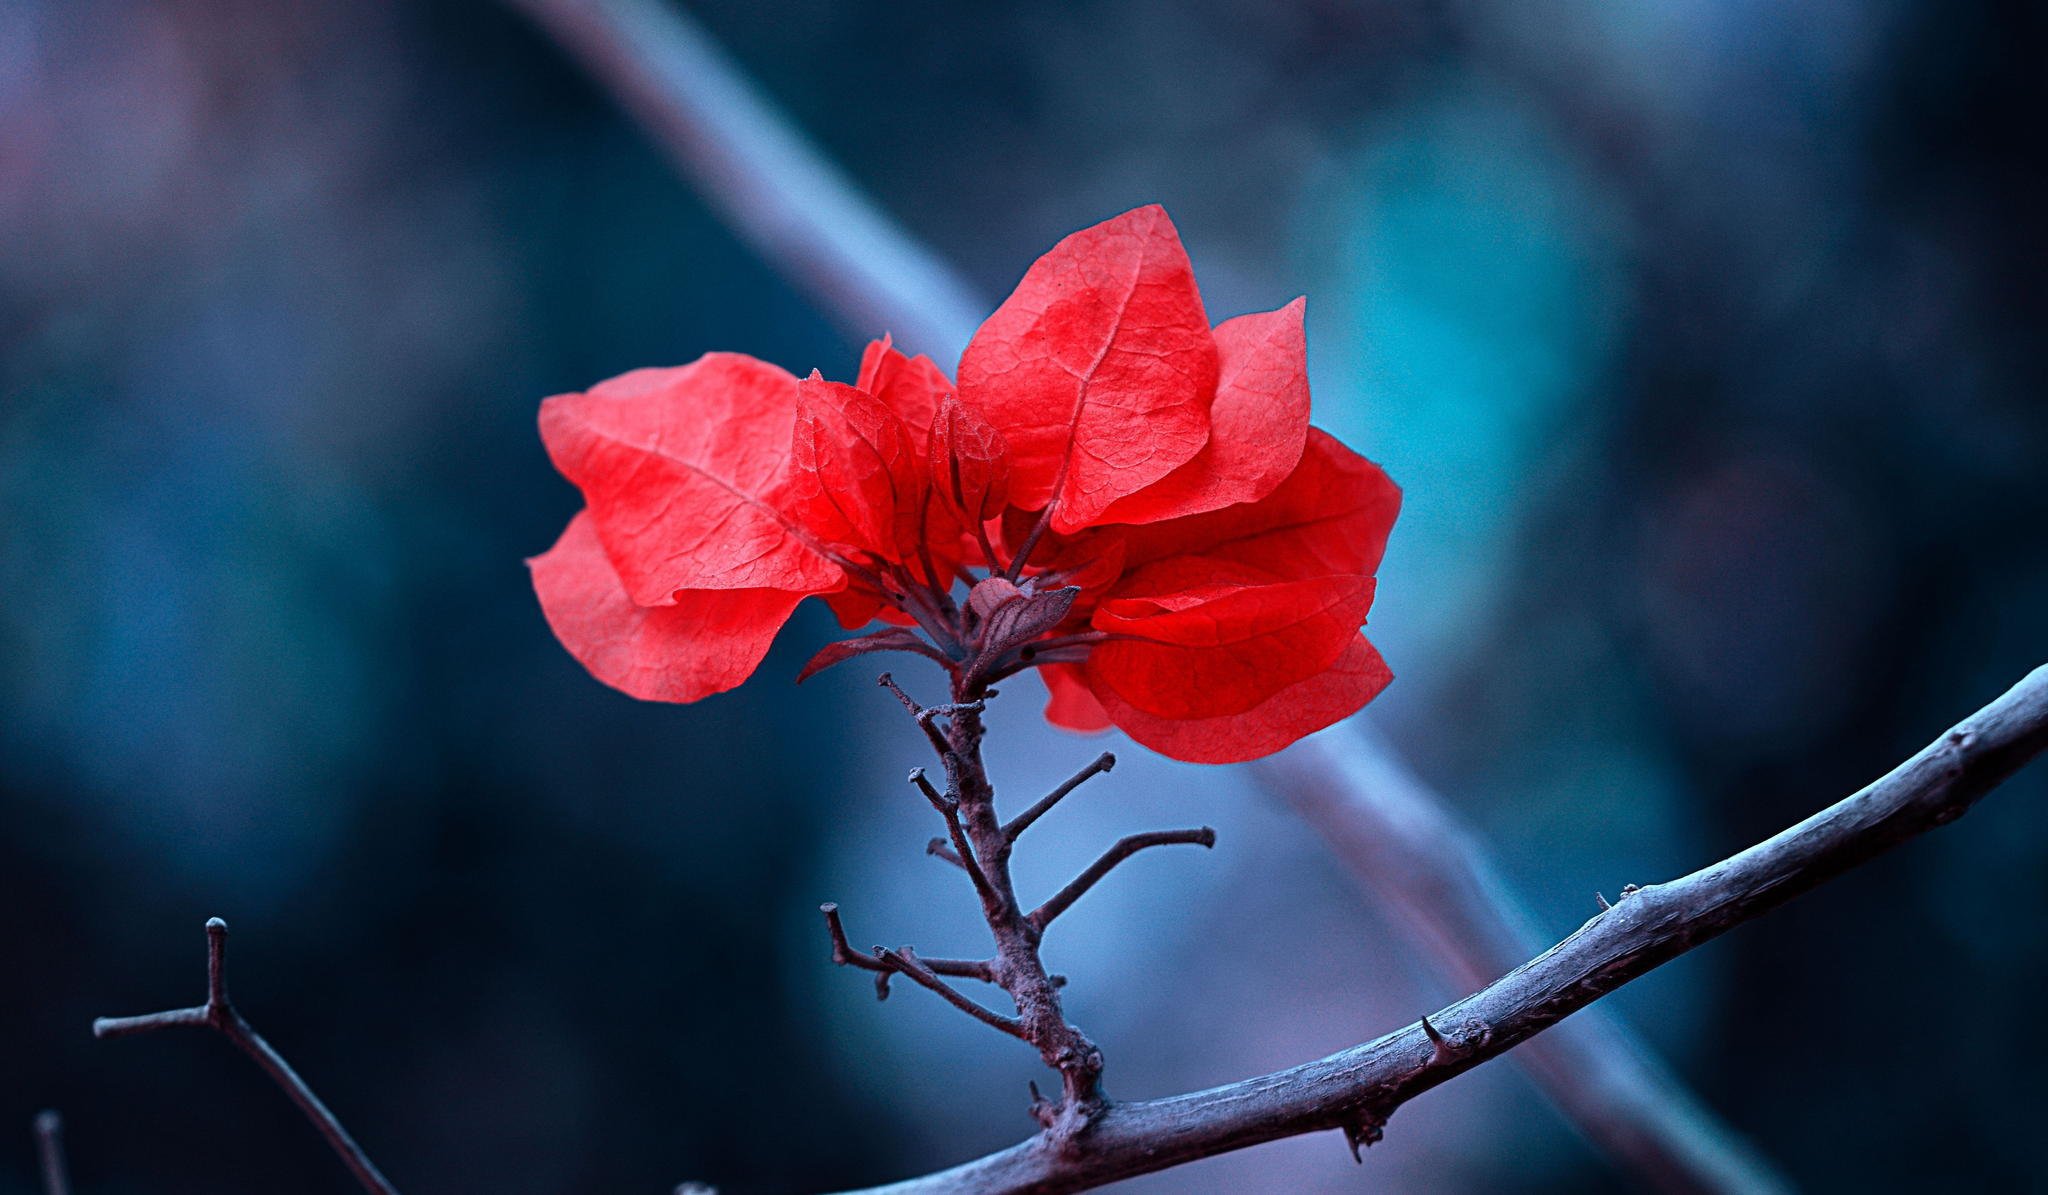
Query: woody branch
[980,844]
[815,225]
[219,1014]
[1356,1090]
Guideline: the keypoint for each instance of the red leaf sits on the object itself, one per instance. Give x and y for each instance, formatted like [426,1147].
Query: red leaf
[1098,369]
[703,641]
[686,475]
[857,483]
[1069,704]
[891,639]
[1300,709]
[1199,638]
[969,462]
[1330,516]
[1257,425]
[912,387]
[1018,621]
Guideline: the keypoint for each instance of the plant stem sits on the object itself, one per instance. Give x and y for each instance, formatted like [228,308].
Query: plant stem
[1018,968]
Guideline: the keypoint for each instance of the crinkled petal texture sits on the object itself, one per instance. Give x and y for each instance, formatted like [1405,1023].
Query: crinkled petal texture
[1098,370]
[857,482]
[1235,632]
[686,473]
[1258,423]
[702,642]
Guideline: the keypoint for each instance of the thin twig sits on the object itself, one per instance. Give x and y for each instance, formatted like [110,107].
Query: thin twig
[916,711]
[846,956]
[1125,847]
[937,848]
[220,1015]
[1017,825]
[50,1153]
[963,852]
[744,156]
[1357,1089]
[907,963]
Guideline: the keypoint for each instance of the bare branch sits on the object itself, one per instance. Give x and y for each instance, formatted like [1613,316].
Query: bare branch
[963,852]
[906,962]
[917,713]
[50,1153]
[1125,847]
[1357,1089]
[846,956]
[1017,825]
[1412,856]
[937,848]
[220,1015]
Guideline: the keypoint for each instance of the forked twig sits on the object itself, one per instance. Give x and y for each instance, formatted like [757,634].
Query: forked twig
[219,1014]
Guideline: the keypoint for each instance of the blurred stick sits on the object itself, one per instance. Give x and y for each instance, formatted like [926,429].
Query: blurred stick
[814,224]
[219,1014]
[50,1152]
[809,220]
[1357,1089]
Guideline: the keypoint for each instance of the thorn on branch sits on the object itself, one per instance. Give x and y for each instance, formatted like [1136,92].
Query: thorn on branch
[1602,898]
[1125,847]
[1017,825]
[1440,1049]
[1369,1129]
[219,1014]
[50,1153]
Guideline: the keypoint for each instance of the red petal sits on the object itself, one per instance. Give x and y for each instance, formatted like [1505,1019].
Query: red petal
[1257,425]
[1098,369]
[857,483]
[1330,516]
[1301,709]
[910,386]
[705,641]
[1190,648]
[969,463]
[1070,705]
[685,472]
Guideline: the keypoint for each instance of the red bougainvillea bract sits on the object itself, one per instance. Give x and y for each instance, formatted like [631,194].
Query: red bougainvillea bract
[1109,490]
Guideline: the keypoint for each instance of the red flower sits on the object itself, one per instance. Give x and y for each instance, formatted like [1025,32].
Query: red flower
[1135,503]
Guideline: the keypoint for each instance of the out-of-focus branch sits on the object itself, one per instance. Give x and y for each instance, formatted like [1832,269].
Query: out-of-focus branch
[50,1153]
[219,1014]
[1357,1089]
[814,224]
[1407,850]
[763,176]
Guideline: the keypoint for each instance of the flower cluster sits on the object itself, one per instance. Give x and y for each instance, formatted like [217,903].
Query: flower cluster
[1112,491]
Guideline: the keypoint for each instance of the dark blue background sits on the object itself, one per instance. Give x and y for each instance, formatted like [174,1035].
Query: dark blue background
[1705,338]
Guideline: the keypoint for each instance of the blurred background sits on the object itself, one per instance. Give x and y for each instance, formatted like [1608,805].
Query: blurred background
[1705,339]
